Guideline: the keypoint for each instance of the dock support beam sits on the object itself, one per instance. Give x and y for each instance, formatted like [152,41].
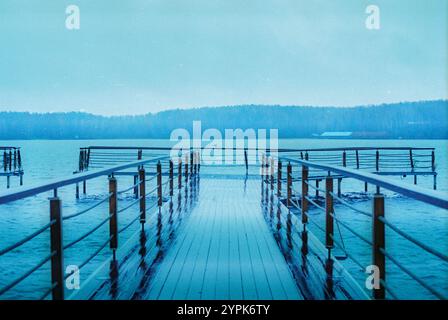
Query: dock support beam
[113,221]
[329,213]
[159,184]
[379,237]
[288,184]
[279,179]
[142,177]
[57,259]
[304,195]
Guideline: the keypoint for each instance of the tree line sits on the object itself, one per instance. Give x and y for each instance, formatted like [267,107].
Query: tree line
[412,120]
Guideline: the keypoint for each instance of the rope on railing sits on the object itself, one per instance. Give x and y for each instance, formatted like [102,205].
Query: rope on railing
[26,239]
[356,261]
[388,289]
[309,218]
[130,223]
[48,291]
[130,188]
[315,188]
[345,203]
[413,240]
[87,233]
[151,191]
[88,209]
[351,230]
[413,276]
[314,203]
[130,205]
[26,274]
[93,255]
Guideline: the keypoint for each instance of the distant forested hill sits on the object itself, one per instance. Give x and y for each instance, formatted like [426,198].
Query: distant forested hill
[426,119]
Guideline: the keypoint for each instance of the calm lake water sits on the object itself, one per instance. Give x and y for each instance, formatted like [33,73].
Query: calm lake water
[43,160]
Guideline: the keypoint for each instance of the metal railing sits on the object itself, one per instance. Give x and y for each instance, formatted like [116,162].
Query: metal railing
[272,166]
[57,220]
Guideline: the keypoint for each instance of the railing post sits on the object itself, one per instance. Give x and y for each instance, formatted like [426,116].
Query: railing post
[57,259]
[113,221]
[245,160]
[357,159]
[344,159]
[159,184]
[288,184]
[186,167]
[135,186]
[411,160]
[272,173]
[142,176]
[304,194]
[171,178]
[179,176]
[279,178]
[377,160]
[191,162]
[328,213]
[379,237]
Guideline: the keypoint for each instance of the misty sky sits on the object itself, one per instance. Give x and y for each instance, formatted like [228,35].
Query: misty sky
[139,56]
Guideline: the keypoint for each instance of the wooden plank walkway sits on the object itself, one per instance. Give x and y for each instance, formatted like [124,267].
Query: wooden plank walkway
[224,250]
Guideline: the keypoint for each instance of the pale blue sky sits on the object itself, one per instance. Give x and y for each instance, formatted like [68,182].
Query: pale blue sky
[139,56]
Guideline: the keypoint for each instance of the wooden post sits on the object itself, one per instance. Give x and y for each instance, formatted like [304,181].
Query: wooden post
[77,191]
[357,159]
[366,187]
[344,159]
[135,186]
[304,194]
[339,187]
[171,178]
[272,173]
[142,176]
[179,174]
[411,160]
[288,184]
[433,161]
[377,160]
[245,160]
[159,184]
[84,187]
[379,237]
[186,167]
[262,169]
[328,213]
[317,188]
[279,178]
[8,182]
[191,162]
[57,259]
[139,154]
[113,221]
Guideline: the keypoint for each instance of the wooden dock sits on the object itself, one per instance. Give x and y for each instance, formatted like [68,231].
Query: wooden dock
[209,237]
[224,251]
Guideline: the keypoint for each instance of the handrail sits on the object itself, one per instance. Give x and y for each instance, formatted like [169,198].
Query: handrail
[378,220]
[433,197]
[23,192]
[26,239]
